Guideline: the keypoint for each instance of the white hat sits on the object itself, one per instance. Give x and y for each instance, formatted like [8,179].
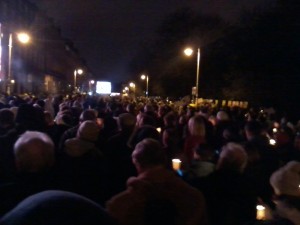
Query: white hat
[286,180]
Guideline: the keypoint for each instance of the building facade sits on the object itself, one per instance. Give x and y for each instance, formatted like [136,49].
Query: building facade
[44,65]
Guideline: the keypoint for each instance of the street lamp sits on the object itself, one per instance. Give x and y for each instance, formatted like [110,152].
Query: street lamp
[189,52]
[132,85]
[146,77]
[24,39]
[77,71]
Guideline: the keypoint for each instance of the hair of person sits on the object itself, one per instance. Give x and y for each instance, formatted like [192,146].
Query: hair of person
[34,152]
[149,152]
[254,127]
[233,157]
[6,117]
[196,126]
[126,121]
[88,114]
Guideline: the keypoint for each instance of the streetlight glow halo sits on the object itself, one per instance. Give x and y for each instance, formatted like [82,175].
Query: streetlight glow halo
[188,51]
[23,37]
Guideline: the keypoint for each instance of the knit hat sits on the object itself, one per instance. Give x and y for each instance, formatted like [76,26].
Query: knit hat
[88,130]
[286,180]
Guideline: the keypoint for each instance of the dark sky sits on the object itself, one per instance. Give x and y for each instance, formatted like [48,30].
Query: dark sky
[108,32]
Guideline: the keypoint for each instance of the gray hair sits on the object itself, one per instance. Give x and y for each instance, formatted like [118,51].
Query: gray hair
[149,152]
[34,152]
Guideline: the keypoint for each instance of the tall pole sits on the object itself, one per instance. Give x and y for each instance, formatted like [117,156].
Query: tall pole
[147,85]
[75,75]
[197,75]
[9,64]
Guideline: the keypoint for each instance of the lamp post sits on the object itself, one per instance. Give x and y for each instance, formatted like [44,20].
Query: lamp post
[132,85]
[77,71]
[91,83]
[189,52]
[146,77]
[24,39]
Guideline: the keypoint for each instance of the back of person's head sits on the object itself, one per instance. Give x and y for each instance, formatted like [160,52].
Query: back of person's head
[253,128]
[145,119]
[126,121]
[57,207]
[170,119]
[30,117]
[170,137]
[142,133]
[148,153]
[205,152]
[286,180]
[222,116]
[148,108]
[88,114]
[6,117]
[233,157]
[88,131]
[196,126]
[34,152]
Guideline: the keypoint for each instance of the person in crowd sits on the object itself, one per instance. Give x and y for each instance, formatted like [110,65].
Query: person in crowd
[7,121]
[49,106]
[88,114]
[196,128]
[202,164]
[156,195]
[57,207]
[28,118]
[285,182]
[170,141]
[35,164]
[263,160]
[81,164]
[118,154]
[230,195]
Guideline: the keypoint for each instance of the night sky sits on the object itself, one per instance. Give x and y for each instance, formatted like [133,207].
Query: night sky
[109,32]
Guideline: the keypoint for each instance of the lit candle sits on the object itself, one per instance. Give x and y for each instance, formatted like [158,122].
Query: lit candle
[260,212]
[176,164]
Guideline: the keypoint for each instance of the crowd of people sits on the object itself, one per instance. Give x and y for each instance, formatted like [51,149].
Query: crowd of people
[95,160]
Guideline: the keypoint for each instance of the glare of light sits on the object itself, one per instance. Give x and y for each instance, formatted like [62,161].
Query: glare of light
[272,142]
[143,77]
[274,130]
[12,81]
[90,93]
[92,81]
[126,88]
[260,207]
[132,84]
[80,71]
[188,51]
[23,38]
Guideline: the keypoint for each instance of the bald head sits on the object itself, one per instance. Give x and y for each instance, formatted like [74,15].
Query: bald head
[34,152]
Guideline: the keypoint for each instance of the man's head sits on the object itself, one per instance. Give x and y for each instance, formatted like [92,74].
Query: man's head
[126,121]
[147,154]
[233,157]
[34,152]
[88,114]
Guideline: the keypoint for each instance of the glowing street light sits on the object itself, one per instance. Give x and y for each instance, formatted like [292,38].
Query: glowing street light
[77,71]
[189,52]
[146,77]
[24,39]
